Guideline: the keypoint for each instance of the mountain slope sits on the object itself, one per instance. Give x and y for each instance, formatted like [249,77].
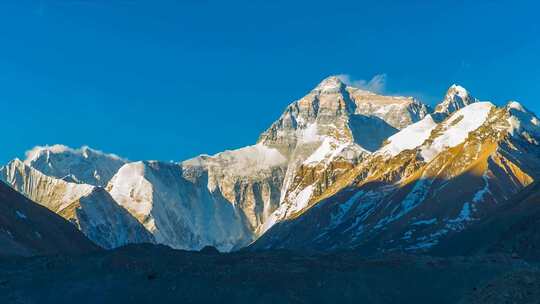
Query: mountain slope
[179,212]
[513,228]
[104,221]
[328,132]
[226,200]
[229,199]
[98,216]
[408,197]
[29,229]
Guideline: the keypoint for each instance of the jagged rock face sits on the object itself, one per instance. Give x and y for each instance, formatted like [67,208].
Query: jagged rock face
[343,113]
[456,98]
[180,212]
[51,192]
[105,222]
[82,166]
[398,112]
[329,131]
[408,198]
[28,229]
[89,207]
[250,178]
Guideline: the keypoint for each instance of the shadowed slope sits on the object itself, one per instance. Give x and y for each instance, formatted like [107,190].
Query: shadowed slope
[514,228]
[27,228]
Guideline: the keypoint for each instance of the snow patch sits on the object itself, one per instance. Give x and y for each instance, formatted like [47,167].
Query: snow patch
[302,199]
[20,215]
[330,85]
[327,151]
[417,195]
[464,214]
[299,202]
[523,122]
[34,153]
[409,138]
[428,241]
[130,189]
[309,133]
[479,196]
[457,128]
[459,91]
[344,208]
[242,162]
[426,222]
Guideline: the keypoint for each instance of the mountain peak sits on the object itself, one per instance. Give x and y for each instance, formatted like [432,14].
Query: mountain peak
[82,165]
[457,97]
[523,123]
[514,105]
[456,89]
[330,85]
[84,151]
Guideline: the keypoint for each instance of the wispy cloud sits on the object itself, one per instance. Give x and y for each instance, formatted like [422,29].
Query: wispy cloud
[377,84]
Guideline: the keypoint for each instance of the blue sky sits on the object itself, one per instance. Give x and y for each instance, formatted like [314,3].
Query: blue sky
[172,80]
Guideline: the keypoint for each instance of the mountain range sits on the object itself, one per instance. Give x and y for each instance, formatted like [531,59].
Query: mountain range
[341,169]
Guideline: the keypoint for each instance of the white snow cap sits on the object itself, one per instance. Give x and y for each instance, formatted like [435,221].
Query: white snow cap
[84,151]
[516,106]
[409,138]
[458,90]
[329,85]
[522,122]
[457,97]
[457,127]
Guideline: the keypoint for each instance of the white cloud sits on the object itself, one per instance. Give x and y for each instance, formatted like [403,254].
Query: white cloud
[377,84]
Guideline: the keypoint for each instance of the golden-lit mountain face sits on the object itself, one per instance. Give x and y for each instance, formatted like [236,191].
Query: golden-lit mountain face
[470,162]
[340,168]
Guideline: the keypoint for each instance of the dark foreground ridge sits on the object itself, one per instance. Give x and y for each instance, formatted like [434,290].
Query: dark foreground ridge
[158,274]
[27,228]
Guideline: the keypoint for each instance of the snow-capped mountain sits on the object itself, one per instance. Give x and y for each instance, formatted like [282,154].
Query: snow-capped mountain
[456,98]
[83,165]
[429,181]
[229,199]
[328,132]
[340,168]
[89,207]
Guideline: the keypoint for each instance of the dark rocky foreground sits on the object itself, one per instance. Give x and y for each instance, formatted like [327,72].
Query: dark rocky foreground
[157,274]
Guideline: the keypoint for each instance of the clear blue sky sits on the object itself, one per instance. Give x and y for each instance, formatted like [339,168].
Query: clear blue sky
[172,80]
